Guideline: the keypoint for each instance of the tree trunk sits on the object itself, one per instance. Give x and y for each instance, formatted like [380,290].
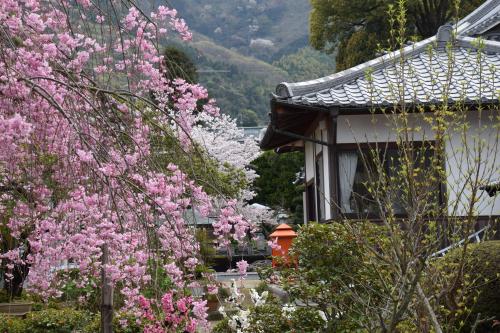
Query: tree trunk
[14,286]
[106,295]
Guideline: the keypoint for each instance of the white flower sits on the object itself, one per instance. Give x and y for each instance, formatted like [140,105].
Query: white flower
[288,310]
[322,315]
[258,300]
[222,311]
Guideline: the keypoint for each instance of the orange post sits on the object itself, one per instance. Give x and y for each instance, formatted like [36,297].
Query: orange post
[283,235]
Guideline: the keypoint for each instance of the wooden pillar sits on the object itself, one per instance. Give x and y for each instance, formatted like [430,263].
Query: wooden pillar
[106,294]
[333,162]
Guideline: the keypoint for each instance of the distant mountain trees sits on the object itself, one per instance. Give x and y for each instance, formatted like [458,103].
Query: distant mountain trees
[354,29]
[306,64]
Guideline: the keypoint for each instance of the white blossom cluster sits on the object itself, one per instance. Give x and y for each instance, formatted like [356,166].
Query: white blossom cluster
[239,322]
[225,142]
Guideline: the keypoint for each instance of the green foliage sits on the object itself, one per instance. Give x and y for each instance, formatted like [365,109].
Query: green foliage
[354,28]
[163,284]
[261,287]
[207,248]
[273,316]
[223,293]
[10,324]
[248,118]
[178,64]
[474,293]
[336,271]
[5,296]
[268,318]
[72,292]
[131,325]
[64,320]
[275,186]
[222,327]
[306,64]
[52,320]
[47,321]
[306,320]
[360,47]
[334,22]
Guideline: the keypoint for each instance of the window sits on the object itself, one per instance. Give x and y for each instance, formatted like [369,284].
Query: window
[311,206]
[320,187]
[355,168]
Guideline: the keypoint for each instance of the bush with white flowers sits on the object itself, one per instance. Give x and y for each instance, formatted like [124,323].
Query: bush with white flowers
[266,314]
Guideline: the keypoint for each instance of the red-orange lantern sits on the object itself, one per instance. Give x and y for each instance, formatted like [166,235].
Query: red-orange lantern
[283,236]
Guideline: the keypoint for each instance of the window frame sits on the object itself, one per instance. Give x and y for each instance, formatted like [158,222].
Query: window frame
[356,147]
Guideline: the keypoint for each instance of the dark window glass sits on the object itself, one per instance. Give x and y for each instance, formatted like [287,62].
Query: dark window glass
[320,187]
[311,207]
[360,170]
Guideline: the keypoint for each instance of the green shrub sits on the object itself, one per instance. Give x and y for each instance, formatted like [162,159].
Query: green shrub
[335,269]
[477,294]
[307,320]
[261,287]
[4,296]
[268,318]
[223,293]
[9,324]
[65,320]
[57,321]
[47,321]
[222,327]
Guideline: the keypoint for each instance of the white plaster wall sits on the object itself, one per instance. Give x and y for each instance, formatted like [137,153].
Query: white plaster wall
[312,150]
[309,160]
[379,128]
[474,152]
[322,133]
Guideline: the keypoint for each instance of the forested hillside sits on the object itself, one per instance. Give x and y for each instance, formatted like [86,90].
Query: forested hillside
[244,48]
[265,29]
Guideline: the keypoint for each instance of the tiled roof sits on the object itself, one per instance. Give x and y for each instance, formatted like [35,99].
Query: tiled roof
[425,72]
[421,78]
[484,17]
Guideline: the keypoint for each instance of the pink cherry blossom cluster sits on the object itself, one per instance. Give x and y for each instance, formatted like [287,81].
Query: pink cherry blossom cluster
[77,173]
[242,267]
[175,313]
[231,225]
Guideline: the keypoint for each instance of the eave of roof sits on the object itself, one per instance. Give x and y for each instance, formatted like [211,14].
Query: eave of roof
[377,82]
[465,28]
[296,93]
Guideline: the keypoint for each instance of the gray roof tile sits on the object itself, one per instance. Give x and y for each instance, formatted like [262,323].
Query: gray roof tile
[422,77]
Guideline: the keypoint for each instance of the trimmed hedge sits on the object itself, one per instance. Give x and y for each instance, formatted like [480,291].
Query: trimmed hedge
[65,320]
[482,276]
[46,321]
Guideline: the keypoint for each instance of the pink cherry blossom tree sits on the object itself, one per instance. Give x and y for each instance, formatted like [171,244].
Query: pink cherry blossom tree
[81,92]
